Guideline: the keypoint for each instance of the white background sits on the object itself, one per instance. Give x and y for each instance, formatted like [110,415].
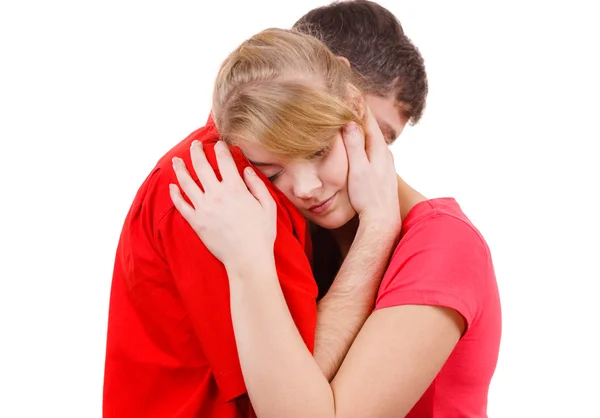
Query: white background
[93,93]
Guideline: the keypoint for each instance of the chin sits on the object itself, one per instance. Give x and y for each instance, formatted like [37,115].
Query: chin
[334,220]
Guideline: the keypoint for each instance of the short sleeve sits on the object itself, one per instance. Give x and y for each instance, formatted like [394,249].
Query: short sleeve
[442,261]
[202,283]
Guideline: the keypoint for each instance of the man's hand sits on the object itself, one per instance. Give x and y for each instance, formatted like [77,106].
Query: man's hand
[372,180]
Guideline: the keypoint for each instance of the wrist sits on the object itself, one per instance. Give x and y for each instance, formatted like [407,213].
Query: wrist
[251,267]
[379,227]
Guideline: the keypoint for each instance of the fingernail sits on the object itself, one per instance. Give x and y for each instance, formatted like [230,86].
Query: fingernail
[250,171]
[175,160]
[196,143]
[350,128]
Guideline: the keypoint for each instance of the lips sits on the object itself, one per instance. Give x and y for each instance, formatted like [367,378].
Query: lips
[322,206]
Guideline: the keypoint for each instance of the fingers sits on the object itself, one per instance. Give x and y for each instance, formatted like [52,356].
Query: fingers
[227,166]
[203,169]
[375,141]
[259,190]
[355,146]
[181,205]
[189,186]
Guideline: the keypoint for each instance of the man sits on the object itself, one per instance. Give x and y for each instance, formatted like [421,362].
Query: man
[389,63]
[170,345]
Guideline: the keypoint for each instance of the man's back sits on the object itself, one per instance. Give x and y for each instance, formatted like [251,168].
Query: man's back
[170,347]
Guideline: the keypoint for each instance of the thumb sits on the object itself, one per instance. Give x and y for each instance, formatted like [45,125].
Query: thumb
[355,145]
[259,189]
[375,141]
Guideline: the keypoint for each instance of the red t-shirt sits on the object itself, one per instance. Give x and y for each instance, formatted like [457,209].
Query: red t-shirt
[442,260]
[170,348]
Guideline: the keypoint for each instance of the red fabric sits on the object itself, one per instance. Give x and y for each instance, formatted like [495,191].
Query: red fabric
[442,260]
[170,348]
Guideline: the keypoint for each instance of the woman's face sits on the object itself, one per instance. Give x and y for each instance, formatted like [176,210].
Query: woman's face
[317,187]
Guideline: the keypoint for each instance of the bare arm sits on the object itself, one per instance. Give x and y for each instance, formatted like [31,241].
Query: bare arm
[346,306]
[383,375]
[373,191]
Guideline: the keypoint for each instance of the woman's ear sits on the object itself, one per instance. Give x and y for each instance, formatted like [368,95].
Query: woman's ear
[358,101]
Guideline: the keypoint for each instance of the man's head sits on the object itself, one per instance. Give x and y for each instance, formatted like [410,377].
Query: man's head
[373,41]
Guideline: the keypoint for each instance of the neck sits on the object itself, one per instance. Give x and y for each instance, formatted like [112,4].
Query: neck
[407,198]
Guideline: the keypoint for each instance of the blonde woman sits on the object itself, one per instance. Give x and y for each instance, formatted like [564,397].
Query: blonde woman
[429,347]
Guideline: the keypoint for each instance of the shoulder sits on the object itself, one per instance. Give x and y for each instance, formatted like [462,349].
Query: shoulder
[163,174]
[152,203]
[440,227]
[441,260]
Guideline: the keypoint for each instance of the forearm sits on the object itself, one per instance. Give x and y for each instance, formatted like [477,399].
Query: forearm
[281,376]
[348,303]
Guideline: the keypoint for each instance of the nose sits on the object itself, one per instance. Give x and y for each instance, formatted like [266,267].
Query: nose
[306,181]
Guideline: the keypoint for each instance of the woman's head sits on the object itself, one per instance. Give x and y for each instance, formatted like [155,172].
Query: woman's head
[283,98]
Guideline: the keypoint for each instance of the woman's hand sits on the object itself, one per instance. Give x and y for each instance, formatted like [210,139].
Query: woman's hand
[236,219]
[372,178]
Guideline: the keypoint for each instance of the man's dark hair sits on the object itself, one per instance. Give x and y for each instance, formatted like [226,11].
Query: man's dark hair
[373,40]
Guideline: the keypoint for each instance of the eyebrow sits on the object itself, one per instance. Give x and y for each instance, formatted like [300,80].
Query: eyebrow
[257,164]
[388,131]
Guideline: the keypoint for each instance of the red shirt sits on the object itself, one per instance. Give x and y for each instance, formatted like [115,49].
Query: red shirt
[442,260]
[170,348]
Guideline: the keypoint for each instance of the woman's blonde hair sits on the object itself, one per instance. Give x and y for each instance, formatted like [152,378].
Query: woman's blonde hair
[286,91]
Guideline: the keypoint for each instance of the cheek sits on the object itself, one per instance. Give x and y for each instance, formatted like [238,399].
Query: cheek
[334,168]
[285,186]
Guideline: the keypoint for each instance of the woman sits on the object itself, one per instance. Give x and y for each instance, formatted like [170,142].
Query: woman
[430,346]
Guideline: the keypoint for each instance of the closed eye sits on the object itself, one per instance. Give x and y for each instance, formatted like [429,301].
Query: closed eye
[320,153]
[274,176]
